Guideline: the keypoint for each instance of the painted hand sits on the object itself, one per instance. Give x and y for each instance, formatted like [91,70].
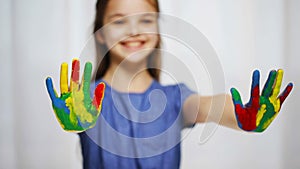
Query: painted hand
[261,110]
[74,109]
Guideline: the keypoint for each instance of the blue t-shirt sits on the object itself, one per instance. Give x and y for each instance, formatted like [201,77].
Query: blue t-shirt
[137,130]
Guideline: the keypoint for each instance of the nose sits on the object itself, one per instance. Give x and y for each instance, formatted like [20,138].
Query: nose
[133,29]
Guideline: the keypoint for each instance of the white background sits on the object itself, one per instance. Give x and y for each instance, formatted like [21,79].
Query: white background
[36,36]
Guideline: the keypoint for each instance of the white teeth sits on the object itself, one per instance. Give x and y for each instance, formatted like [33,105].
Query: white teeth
[133,44]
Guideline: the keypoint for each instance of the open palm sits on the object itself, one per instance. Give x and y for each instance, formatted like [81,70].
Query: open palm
[262,109]
[74,108]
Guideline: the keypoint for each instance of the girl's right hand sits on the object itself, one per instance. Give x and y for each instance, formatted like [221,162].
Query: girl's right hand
[74,108]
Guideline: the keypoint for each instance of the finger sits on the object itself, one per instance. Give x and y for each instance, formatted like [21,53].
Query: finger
[254,99]
[278,82]
[74,85]
[87,80]
[285,93]
[98,96]
[64,78]
[260,114]
[269,84]
[236,97]
[50,89]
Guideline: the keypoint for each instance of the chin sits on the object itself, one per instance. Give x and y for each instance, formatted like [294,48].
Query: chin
[136,58]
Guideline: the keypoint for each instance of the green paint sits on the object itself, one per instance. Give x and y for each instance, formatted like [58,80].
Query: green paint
[86,85]
[268,115]
[236,96]
[64,118]
[269,88]
[74,109]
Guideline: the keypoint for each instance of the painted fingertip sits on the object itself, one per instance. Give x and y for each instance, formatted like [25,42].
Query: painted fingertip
[75,70]
[255,78]
[232,90]
[290,87]
[48,81]
[256,71]
[88,65]
[273,72]
[102,85]
[64,67]
[75,64]
[100,89]
[291,84]
[235,94]
[280,70]
[99,94]
[75,59]
[271,78]
[88,62]
[50,89]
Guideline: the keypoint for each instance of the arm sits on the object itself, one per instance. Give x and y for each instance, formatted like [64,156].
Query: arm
[197,108]
[254,116]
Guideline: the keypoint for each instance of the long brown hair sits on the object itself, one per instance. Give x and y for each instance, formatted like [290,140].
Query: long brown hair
[154,60]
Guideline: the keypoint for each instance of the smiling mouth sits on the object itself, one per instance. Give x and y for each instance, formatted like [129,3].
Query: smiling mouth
[133,44]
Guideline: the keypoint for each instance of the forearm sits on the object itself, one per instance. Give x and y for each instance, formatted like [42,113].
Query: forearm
[228,118]
[218,109]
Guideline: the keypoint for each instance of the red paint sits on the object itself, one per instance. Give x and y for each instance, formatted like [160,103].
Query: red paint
[247,115]
[255,98]
[286,92]
[75,70]
[99,95]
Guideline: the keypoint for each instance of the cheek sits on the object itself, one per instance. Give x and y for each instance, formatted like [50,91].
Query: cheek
[113,36]
[154,39]
[153,28]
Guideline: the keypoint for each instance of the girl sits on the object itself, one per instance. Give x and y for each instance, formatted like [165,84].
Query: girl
[141,120]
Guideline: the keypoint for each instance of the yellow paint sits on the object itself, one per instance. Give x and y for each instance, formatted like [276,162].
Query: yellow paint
[64,78]
[70,104]
[276,104]
[80,109]
[268,122]
[277,86]
[74,86]
[260,114]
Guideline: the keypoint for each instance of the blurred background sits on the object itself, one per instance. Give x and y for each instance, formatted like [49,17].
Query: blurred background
[37,35]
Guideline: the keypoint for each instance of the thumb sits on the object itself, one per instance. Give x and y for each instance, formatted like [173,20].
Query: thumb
[98,96]
[50,89]
[236,97]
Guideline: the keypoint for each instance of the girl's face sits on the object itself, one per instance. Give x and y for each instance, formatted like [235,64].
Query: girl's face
[131,37]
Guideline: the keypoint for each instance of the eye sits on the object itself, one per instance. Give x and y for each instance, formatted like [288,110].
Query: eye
[147,21]
[119,22]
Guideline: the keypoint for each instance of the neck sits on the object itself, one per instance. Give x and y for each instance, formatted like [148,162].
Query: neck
[128,77]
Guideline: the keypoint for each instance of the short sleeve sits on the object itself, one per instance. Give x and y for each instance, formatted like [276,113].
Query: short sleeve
[184,92]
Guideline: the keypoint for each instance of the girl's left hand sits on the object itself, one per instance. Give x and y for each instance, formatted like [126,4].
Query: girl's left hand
[262,109]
